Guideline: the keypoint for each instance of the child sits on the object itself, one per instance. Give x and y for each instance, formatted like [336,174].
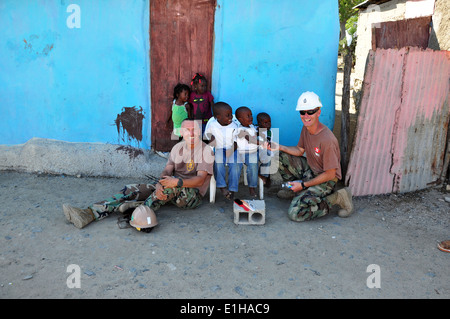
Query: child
[201,100]
[180,107]
[247,143]
[264,134]
[221,132]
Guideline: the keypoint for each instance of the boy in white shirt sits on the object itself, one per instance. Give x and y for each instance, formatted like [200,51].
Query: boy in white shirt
[221,131]
[264,130]
[247,146]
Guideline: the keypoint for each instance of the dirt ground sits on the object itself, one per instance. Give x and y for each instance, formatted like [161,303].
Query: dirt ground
[202,254]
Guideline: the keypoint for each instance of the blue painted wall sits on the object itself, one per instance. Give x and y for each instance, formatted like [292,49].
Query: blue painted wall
[62,82]
[268,52]
[67,82]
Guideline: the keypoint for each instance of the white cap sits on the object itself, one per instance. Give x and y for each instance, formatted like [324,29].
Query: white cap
[308,101]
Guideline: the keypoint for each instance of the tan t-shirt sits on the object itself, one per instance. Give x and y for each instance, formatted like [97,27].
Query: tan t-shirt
[188,162]
[322,151]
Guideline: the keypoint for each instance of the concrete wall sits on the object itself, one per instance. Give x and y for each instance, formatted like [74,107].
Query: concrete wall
[398,10]
[388,11]
[268,52]
[72,71]
[68,70]
[440,34]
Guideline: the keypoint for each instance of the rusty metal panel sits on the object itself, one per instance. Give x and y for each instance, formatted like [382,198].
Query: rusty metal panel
[370,161]
[402,124]
[423,122]
[401,33]
[181,40]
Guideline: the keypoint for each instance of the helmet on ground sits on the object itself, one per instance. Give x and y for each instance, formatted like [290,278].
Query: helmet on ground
[143,219]
[308,101]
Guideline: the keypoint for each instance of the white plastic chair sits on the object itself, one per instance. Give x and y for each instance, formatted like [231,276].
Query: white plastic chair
[212,186]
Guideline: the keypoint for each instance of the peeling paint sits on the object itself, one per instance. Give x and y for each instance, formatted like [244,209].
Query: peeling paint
[129,124]
[131,151]
[35,46]
[47,49]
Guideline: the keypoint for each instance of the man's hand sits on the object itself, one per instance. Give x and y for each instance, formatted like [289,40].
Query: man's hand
[159,192]
[169,181]
[296,186]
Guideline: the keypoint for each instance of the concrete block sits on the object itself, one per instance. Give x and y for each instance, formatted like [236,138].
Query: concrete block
[257,217]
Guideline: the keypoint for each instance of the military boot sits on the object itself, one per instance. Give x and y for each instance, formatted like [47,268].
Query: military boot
[343,198]
[285,194]
[129,205]
[77,216]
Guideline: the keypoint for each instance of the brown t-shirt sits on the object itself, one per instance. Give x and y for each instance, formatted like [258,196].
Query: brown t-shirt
[322,151]
[188,162]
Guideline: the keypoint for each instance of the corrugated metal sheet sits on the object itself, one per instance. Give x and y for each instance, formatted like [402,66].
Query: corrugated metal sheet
[403,121]
[401,33]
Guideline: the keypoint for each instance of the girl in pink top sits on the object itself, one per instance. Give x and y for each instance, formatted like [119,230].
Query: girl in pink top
[201,100]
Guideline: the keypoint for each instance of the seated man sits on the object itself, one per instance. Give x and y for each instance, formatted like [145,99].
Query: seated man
[183,182]
[312,179]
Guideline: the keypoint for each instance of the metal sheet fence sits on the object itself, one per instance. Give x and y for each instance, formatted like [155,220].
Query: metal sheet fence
[403,119]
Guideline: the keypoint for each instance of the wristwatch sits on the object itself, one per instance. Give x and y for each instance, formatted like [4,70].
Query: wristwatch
[180,182]
[303,186]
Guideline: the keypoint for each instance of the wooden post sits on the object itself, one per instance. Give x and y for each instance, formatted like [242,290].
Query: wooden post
[345,113]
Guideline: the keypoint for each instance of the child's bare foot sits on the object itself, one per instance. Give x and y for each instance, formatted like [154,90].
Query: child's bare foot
[266,180]
[226,193]
[223,190]
[252,191]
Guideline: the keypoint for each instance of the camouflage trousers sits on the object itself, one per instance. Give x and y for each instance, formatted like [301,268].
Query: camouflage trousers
[182,197]
[310,203]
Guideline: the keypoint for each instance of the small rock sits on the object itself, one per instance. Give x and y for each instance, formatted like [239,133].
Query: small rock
[215,288]
[447,199]
[171,266]
[89,273]
[239,290]
[27,277]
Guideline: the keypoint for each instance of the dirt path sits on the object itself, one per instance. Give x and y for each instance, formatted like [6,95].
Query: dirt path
[203,254]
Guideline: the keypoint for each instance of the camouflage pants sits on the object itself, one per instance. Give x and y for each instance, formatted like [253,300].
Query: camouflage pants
[182,197]
[307,204]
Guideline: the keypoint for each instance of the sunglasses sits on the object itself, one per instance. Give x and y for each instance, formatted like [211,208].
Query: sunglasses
[309,112]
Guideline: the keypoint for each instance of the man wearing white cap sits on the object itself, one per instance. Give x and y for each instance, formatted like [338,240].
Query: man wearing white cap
[312,179]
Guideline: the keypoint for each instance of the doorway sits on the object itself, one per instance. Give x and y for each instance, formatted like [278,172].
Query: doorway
[181,44]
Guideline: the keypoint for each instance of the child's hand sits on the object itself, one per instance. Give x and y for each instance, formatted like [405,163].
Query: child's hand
[242,134]
[212,140]
[229,152]
[271,146]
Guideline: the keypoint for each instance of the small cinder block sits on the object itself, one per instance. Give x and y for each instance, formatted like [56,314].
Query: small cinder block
[257,217]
